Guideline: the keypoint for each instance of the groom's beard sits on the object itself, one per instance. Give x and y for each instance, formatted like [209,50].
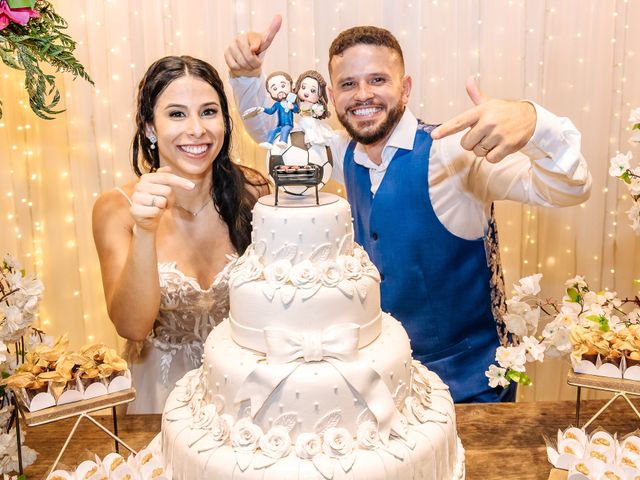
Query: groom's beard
[368,137]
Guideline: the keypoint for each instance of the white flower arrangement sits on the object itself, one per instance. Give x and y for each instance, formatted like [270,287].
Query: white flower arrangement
[598,314]
[620,167]
[19,298]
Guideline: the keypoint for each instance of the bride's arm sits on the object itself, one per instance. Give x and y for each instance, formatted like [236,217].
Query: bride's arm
[129,267]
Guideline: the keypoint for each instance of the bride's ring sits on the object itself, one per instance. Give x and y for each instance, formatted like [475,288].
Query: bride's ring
[153,201]
[485,150]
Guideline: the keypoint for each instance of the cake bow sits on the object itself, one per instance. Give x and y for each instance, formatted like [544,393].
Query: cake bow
[336,345]
[337,341]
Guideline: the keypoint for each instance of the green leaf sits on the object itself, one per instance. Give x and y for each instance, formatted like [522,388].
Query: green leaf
[601,320]
[573,294]
[41,41]
[518,377]
[604,324]
[625,177]
[636,127]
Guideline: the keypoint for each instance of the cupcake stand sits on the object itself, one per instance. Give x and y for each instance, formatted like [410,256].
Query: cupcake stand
[80,408]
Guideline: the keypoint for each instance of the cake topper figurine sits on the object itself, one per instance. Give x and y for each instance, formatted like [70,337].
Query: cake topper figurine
[279,86]
[311,90]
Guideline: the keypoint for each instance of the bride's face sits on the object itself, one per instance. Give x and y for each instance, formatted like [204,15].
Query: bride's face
[189,124]
[309,90]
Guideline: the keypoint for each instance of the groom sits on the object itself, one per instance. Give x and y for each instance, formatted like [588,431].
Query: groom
[422,196]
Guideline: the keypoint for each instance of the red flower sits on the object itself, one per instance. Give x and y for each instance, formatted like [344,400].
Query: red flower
[16,15]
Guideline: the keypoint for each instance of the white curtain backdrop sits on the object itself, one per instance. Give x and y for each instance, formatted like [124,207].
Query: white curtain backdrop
[577,58]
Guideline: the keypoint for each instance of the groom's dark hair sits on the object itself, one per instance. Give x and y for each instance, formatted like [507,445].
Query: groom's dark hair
[364,35]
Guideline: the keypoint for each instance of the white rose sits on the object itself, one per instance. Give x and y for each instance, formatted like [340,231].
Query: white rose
[245,436]
[197,402]
[351,267]
[277,273]
[368,437]
[205,417]
[331,273]
[308,445]
[361,255]
[304,274]
[337,442]
[276,442]
[221,427]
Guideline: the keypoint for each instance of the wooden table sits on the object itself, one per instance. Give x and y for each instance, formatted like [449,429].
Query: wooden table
[502,441]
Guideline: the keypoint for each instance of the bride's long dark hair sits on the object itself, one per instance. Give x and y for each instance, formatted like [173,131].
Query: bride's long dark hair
[232,198]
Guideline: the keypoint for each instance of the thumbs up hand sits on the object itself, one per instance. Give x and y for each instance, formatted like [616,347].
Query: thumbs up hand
[497,128]
[244,54]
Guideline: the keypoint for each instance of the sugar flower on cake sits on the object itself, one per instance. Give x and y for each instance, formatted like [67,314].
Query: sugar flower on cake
[420,384]
[330,273]
[351,267]
[276,443]
[245,436]
[221,428]
[305,274]
[368,436]
[205,417]
[337,442]
[308,445]
[277,273]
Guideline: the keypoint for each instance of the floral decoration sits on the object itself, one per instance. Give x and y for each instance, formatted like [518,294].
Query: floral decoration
[620,167]
[585,322]
[31,33]
[282,275]
[19,298]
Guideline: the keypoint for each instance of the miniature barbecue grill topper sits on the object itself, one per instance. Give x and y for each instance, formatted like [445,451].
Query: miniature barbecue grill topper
[307,175]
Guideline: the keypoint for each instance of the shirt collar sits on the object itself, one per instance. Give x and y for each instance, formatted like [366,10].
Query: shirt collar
[403,136]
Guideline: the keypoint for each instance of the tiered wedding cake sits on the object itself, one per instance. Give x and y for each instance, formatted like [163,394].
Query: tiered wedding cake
[307,378]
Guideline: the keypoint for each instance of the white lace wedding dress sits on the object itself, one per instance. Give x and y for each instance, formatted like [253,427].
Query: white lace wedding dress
[174,346]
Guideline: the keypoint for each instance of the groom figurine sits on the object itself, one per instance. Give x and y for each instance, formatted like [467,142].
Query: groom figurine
[279,87]
[422,197]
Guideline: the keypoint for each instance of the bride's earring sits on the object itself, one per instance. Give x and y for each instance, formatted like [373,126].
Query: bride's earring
[153,139]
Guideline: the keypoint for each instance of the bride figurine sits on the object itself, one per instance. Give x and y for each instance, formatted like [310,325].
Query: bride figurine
[311,89]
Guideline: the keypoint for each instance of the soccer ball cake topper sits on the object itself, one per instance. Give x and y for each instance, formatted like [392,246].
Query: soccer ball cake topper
[305,148]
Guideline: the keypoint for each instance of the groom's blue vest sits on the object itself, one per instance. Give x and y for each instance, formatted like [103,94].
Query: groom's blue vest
[434,282]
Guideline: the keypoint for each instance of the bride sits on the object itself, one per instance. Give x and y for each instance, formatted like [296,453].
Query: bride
[164,240]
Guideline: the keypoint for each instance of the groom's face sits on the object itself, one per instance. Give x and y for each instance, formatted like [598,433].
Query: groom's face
[279,87]
[369,91]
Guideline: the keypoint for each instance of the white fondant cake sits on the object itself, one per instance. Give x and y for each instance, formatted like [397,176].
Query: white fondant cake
[307,378]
